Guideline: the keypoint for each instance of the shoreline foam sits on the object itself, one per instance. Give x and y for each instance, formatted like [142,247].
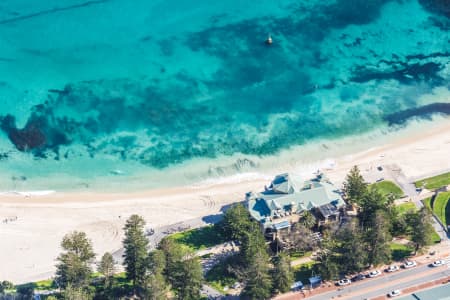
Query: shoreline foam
[301,160]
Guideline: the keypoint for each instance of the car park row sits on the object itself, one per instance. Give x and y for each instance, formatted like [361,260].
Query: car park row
[392,268]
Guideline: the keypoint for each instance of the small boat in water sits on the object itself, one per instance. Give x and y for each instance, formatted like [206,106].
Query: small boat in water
[269,40]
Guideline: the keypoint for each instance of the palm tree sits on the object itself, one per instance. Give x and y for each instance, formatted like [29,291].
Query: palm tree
[308,219]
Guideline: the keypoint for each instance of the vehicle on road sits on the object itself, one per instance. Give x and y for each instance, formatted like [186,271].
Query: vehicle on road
[438,263]
[344,281]
[409,264]
[358,277]
[394,293]
[374,273]
[392,268]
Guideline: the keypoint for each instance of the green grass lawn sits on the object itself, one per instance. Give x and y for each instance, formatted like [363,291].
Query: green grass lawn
[427,203]
[435,238]
[296,255]
[441,207]
[400,251]
[44,285]
[388,187]
[405,207]
[434,182]
[304,271]
[200,238]
[219,276]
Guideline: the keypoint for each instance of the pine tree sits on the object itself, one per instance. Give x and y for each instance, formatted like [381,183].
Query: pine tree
[135,255]
[173,254]
[189,279]
[354,186]
[328,265]
[259,281]
[256,259]
[236,222]
[283,277]
[183,269]
[350,251]
[371,202]
[156,287]
[378,238]
[421,228]
[156,284]
[106,267]
[74,264]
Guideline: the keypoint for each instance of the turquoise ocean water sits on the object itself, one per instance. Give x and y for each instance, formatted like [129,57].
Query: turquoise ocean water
[158,93]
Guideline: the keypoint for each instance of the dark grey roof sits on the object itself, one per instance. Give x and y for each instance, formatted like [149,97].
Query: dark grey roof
[328,210]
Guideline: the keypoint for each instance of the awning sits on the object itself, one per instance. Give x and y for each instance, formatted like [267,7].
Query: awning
[315,280]
[281,225]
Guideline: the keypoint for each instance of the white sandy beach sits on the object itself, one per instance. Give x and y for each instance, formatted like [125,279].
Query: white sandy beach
[30,240]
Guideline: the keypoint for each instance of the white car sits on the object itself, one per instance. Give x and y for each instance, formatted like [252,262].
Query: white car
[438,263]
[392,268]
[409,264]
[394,293]
[374,273]
[344,281]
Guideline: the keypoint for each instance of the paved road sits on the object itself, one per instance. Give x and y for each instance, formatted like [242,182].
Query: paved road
[373,287]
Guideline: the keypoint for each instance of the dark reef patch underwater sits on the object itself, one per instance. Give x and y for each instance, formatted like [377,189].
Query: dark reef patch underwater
[163,83]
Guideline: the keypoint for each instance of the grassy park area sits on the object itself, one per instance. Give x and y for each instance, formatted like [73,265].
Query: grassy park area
[427,203]
[304,271]
[434,182]
[441,207]
[400,251]
[296,255]
[430,205]
[388,187]
[405,207]
[200,238]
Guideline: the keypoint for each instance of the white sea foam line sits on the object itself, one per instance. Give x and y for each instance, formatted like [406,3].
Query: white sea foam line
[29,193]
[236,178]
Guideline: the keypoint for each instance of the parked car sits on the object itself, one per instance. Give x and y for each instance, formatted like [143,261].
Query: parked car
[438,263]
[358,277]
[394,293]
[409,264]
[374,273]
[392,268]
[344,281]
